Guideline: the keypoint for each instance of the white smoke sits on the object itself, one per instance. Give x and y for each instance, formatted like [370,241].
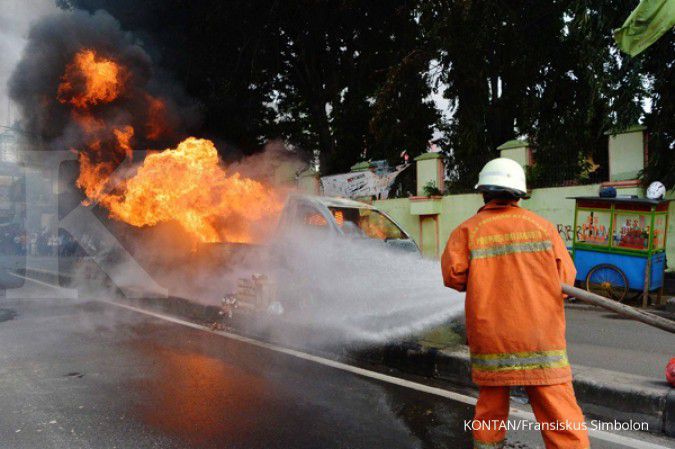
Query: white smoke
[360,290]
[16,17]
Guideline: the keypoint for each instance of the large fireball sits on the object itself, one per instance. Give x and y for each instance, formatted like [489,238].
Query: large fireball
[187,184]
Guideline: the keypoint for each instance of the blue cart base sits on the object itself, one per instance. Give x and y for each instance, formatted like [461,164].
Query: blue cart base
[632,266]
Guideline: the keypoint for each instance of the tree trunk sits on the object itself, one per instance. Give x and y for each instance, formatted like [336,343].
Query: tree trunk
[321,125]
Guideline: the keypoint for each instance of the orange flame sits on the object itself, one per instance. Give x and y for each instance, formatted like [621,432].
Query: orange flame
[187,184]
[123,136]
[90,80]
[156,125]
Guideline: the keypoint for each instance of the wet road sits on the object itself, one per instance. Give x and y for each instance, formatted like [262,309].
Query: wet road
[602,339]
[91,375]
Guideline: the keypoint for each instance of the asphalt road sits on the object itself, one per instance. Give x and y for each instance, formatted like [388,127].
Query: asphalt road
[92,375]
[602,339]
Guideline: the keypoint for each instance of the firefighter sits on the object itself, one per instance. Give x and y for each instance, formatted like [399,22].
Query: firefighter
[511,262]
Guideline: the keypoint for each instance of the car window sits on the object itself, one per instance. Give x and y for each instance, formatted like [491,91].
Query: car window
[367,223]
[308,216]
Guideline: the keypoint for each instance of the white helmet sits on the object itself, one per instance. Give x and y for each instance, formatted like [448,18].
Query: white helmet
[502,174]
[656,191]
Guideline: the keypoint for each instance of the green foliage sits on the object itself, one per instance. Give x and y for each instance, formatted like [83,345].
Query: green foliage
[592,88]
[430,189]
[445,336]
[659,66]
[534,175]
[545,69]
[402,119]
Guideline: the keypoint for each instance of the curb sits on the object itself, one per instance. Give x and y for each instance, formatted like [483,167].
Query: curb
[624,397]
[669,415]
[602,394]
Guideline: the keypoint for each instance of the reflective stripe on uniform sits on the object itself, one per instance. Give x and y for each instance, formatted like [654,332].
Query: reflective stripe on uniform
[483,445]
[520,361]
[511,248]
[511,237]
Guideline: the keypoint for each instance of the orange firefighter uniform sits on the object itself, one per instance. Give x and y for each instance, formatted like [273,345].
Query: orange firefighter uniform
[511,262]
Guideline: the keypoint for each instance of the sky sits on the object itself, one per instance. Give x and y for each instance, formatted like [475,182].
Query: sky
[15,19]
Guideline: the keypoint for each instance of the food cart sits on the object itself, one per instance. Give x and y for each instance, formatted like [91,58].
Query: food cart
[619,246]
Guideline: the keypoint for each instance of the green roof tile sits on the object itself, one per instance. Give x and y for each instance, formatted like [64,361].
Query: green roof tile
[425,156]
[515,143]
[630,129]
[361,166]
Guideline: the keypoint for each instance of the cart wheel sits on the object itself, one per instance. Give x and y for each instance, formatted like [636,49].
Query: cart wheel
[607,280]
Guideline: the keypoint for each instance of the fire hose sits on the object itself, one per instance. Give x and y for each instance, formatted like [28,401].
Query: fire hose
[621,309]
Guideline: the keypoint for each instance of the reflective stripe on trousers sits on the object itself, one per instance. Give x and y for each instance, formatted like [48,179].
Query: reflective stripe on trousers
[520,360]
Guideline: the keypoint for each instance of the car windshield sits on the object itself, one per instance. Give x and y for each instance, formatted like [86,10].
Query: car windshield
[367,223]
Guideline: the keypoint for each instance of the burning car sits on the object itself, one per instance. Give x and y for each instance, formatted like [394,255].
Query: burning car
[343,217]
[324,218]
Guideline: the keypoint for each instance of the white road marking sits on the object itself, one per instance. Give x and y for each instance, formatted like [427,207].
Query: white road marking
[515,411]
[64,292]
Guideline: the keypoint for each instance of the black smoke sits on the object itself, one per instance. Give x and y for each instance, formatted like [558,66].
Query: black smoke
[52,44]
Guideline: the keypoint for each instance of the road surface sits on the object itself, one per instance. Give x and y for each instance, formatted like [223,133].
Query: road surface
[602,339]
[88,374]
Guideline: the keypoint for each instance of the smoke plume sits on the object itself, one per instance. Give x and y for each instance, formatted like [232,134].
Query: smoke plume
[85,85]
[52,44]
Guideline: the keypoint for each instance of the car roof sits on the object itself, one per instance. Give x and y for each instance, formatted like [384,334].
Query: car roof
[329,201]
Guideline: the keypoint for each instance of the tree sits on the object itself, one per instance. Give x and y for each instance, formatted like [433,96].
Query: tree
[403,117]
[545,69]
[659,65]
[586,89]
[308,71]
[349,78]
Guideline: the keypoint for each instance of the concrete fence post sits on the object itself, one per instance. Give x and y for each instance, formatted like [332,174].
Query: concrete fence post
[627,152]
[430,170]
[309,182]
[518,150]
